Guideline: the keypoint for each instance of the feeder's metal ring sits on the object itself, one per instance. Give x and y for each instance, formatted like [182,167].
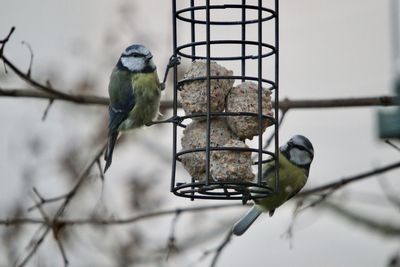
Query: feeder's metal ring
[271,48]
[271,119]
[243,149]
[222,190]
[250,78]
[271,14]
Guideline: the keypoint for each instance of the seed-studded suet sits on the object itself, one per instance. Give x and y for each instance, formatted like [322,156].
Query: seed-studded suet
[194,93]
[244,98]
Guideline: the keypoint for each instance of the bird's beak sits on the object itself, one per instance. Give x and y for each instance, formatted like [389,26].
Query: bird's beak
[148,57]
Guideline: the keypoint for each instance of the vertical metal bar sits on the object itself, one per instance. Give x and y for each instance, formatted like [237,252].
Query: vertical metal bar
[276,94]
[243,63]
[192,29]
[208,91]
[260,92]
[175,104]
[193,53]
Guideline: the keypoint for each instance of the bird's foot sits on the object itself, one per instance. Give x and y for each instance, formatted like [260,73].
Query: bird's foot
[175,119]
[173,61]
[246,197]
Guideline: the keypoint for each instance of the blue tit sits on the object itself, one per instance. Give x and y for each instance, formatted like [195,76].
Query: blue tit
[295,158]
[134,91]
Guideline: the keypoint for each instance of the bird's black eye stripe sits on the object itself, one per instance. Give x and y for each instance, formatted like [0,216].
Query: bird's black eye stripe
[291,144]
[299,147]
[133,54]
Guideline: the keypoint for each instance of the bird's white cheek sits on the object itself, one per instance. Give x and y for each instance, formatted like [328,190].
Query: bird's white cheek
[299,157]
[151,64]
[131,64]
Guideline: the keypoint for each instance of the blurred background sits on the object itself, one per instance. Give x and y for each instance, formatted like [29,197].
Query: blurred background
[328,49]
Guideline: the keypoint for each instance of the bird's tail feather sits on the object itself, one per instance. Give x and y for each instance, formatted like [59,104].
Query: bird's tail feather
[246,221]
[112,138]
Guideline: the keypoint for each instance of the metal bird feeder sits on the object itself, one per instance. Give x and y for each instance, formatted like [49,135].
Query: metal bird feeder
[255,27]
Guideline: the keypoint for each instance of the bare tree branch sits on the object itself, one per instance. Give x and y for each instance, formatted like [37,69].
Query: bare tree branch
[80,99]
[55,225]
[284,105]
[384,228]
[148,215]
[339,102]
[344,181]
[128,220]
[5,40]
[333,185]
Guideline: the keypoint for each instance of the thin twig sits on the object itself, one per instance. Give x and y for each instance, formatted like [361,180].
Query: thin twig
[100,168]
[80,181]
[389,194]
[171,243]
[148,215]
[4,41]
[128,220]
[47,221]
[29,72]
[220,248]
[46,111]
[344,181]
[62,251]
[55,225]
[35,247]
[392,145]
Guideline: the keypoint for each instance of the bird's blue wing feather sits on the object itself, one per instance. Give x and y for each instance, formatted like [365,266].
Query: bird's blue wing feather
[122,102]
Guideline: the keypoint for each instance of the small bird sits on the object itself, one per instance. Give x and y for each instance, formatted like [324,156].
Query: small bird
[134,91]
[295,158]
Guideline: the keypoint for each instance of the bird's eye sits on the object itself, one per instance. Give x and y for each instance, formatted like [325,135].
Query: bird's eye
[137,55]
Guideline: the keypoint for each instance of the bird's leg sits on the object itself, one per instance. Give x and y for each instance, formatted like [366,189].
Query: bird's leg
[245,197]
[173,61]
[175,119]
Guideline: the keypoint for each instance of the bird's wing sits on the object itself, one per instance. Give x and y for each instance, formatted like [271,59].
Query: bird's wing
[267,172]
[122,101]
[297,190]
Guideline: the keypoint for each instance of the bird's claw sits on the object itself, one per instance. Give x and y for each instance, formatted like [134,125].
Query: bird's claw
[175,119]
[174,61]
[246,196]
[162,86]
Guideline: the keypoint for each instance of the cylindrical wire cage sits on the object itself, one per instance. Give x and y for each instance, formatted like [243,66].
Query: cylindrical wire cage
[246,18]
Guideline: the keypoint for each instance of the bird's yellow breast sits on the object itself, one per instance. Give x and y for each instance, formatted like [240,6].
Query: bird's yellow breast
[147,93]
[291,179]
